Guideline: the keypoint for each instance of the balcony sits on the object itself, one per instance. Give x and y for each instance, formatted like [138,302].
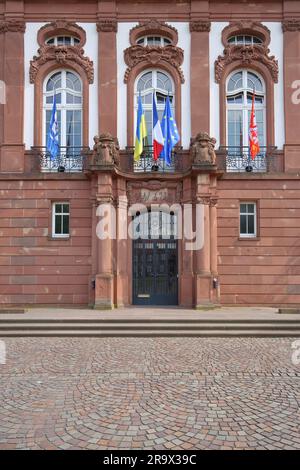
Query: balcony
[147,164]
[238,160]
[69,159]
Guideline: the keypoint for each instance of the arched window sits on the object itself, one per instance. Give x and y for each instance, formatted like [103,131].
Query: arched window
[159,83]
[245,40]
[63,41]
[154,41]
[67,87]
[239,93]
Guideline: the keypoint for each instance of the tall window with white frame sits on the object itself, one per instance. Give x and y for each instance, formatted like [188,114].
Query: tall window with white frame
[67,87]
[240,86]
[147,83]
[248,219]
[61,219]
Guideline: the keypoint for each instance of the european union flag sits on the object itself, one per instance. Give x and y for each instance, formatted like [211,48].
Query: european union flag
[169,131]
[52,139]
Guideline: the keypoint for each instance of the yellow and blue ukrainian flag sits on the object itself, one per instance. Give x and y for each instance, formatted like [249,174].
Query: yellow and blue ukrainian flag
[141,131]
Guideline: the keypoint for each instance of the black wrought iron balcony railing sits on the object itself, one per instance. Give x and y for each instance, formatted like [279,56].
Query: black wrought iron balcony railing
[69,159]
[238,159]
[147,163]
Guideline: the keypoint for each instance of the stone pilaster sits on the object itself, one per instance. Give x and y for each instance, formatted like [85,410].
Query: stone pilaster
[199,75]
[107,74]
[12,147]
[291,57]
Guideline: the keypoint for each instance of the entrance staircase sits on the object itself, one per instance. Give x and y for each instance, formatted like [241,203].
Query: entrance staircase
[143,327]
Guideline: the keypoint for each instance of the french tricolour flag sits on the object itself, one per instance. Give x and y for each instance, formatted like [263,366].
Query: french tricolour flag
[158,140]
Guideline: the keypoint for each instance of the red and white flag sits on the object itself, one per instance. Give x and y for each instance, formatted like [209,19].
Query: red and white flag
[253,132]
[158,140]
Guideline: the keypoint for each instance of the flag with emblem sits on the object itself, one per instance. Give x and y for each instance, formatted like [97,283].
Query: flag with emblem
[253,132]
[169,131]
[52,138]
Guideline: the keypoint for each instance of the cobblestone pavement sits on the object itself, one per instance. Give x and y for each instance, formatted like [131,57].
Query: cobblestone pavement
[151,393]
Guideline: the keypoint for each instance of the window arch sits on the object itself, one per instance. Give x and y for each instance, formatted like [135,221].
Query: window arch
[161,84]
[67,86]
[240,85]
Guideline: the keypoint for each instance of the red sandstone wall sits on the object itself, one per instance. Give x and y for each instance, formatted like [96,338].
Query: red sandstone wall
[265,270]
[33,268]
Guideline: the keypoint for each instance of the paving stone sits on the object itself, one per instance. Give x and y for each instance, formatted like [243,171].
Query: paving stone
[149,393]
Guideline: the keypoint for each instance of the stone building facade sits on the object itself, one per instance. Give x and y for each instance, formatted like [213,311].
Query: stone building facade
[97,57]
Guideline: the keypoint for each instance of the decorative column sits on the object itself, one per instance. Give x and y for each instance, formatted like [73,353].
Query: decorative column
[186,289]
[291,57]
[11,146]
[199,75]
[107,74]
[121,271]
[104,281]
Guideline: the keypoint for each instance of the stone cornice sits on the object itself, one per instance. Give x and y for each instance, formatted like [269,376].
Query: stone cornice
[12,26]
[107,26]
[200,26]
[291,25]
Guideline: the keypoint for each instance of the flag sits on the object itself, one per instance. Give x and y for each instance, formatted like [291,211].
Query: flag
[52,138]
[141,131]
[158,140]
[169,131]
[253,132]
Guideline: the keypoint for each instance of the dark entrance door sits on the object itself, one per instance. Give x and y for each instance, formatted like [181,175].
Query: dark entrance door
[155,271]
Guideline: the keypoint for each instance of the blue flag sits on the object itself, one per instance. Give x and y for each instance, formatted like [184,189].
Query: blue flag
[169,131]
[52,138]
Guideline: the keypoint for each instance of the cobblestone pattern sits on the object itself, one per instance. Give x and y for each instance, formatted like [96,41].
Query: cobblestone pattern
[150,393]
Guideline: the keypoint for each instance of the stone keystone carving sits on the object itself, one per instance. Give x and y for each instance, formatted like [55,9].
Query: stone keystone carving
[106,150]
[202,149]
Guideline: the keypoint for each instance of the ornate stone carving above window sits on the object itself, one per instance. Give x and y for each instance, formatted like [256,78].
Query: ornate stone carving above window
[62,55]
[246,55]
[153,56]
[12,26]
[153,28]
[291,25]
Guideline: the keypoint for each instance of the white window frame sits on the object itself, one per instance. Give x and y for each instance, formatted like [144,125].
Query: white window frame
[244,42]
[55,40]
[63,107]
[245,107]
[148,107]
[54,213]
[146,38]
[248,235]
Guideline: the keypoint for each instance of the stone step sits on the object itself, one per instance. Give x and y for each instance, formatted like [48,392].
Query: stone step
[101,326]
[114,321]
[152,333]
